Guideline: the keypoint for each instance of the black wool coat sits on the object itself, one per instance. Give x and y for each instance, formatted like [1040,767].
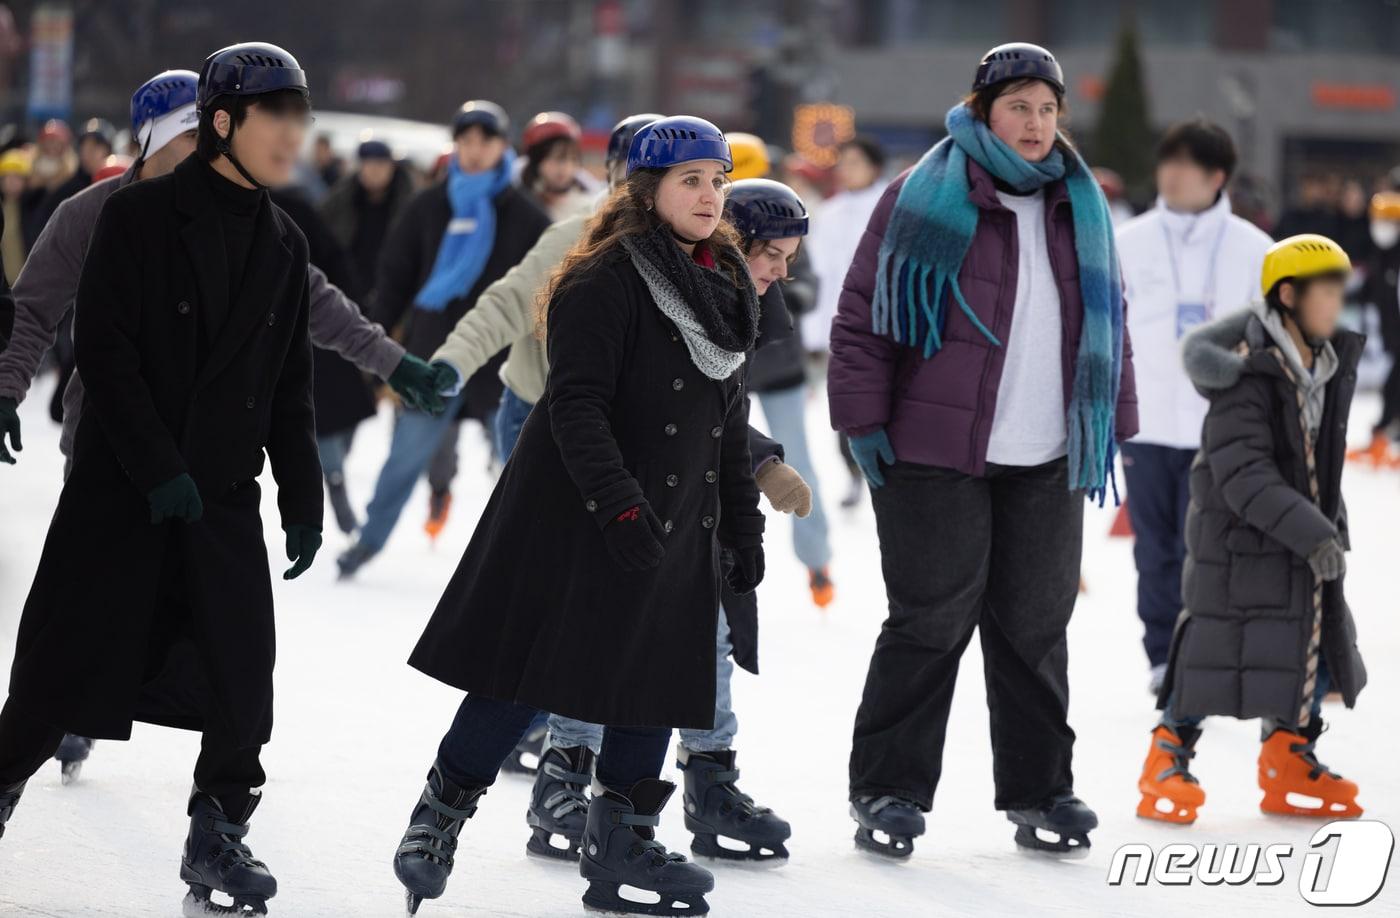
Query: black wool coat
[1240,646]
[407,260]
[537,611]
[173,623]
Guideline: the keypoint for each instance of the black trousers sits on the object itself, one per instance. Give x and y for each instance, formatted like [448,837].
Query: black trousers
[999,554]
[1159,491]
[485,731]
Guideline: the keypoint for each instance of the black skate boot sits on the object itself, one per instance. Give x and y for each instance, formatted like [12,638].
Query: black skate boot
[897,819]
[715,807]
[345,519]
[9,799]
[216,859]
[525,760]
[1065,818]
[71,755]
[620,849]
[559,802]
[423,861]
[354,558]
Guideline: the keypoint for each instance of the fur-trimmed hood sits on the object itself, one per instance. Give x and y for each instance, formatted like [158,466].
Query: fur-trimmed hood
[1214,359]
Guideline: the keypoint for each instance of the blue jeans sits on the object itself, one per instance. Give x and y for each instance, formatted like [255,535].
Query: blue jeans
[417,437]
[1321,687]
[510,417]
[565,732]
[333,449]
[785,410]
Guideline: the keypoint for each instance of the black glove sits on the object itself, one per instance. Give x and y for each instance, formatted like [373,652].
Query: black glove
[747,572]
[177,499]
[634,539]
[417,384]
[302,544]
[1328,561]
[9,424]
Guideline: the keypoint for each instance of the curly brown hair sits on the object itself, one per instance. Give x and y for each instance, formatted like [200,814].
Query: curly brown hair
[626,212]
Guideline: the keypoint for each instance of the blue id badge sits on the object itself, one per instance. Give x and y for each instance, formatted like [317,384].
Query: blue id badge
[1188,316]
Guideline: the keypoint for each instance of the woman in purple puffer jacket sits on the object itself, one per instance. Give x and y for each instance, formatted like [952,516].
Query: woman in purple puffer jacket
[980,366]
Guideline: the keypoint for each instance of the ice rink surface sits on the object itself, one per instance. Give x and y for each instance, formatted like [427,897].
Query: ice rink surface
[356,730]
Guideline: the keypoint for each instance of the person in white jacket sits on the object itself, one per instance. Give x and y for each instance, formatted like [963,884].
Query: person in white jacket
[1186,261]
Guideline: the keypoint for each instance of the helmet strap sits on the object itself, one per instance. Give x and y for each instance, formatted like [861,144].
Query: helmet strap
[225,147]
[684,239]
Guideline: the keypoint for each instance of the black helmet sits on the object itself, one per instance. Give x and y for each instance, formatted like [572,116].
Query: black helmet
[1018,61]
[492,118]
[248,69]
[100,128]
[620,141]
[765,209]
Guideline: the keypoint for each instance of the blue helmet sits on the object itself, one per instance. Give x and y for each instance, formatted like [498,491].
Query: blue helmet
[490,116]
[675,140]
[1018,61]
[248,69]
[765,209]
[162,94]
[620,141]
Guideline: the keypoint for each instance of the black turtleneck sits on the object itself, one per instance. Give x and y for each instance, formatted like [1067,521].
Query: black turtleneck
[1002,186]
[238,210]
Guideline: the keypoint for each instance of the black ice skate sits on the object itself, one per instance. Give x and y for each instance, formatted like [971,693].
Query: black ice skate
[1064,818]
[715,808]
[354,558]
[216,860]
[423,861]
[620,849]
[9,799]
[887,825]
[71,755]
[559,802]
[525,759]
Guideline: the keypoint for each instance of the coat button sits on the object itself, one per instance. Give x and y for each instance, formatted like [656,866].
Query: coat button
[708,522]
[668,526]
[716,432]
[591,506]
[672,481]
[271,319]
[678,384]
[183,309]
[251,401]
[671,430]
[711,477]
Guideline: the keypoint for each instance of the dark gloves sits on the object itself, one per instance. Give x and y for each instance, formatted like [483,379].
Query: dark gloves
[747,572]
[9,424]
[869,451]
[634,539]
[177,499]
[786,490]
[302,544]
[1328,561]
[420,385]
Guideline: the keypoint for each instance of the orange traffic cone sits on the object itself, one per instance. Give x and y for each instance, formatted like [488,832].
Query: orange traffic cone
[1122,527]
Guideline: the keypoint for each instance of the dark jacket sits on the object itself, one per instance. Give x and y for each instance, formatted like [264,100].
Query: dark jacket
[1240,646]
[780,362]
[346,210]
[98,646]
[537,611]
[939,411]
[408,258]
[7,299]
[48,202]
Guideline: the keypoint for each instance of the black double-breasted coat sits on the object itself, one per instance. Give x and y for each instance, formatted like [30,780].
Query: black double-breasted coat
[537,611]
[173,623]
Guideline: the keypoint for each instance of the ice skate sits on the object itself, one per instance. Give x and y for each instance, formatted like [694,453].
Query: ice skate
[1295,783]
[1170,793]
[1064,818]
[424,858]
[439,505]
[559,802]
[887,825]
[9,799]
[823,591]
[71,755]
[525,759]
[715,808]
[217,860]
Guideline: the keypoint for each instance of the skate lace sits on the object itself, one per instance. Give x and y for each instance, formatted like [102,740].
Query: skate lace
[436,842]
[1181,762]
[570,798]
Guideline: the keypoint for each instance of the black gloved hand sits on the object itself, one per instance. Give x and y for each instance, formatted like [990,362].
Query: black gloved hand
[417,384]
[302,545]
[634,539]
[1328,561]
[747,572]
[177,499]
[9,424]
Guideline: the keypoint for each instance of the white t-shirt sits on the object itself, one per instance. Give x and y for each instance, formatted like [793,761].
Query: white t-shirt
[1029,425]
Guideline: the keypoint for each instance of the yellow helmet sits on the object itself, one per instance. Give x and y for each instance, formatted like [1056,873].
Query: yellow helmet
[1385,205]
[1305,255]
[750,156]
[14,162]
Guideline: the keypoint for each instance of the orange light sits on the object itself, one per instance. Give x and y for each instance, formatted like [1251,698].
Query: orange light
[819,129]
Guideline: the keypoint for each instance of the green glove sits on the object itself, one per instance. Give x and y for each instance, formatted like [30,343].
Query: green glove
[302,545]
[177,499]
[9,423]
[416,383]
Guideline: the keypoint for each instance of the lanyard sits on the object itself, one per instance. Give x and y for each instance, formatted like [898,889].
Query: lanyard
[1208,293]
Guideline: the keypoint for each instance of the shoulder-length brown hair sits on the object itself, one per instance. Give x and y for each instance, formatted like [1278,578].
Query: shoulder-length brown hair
[628,211]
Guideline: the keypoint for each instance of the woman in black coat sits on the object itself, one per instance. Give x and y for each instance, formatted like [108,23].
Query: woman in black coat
[591,586]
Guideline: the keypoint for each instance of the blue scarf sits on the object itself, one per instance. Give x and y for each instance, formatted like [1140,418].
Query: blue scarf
[470,234]
[928,237]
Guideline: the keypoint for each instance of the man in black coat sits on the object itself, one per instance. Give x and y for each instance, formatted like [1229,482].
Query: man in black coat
[152,600]
[452,242]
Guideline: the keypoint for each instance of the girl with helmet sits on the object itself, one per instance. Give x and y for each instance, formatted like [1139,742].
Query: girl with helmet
[980,366]
[1267,533]
[628,477]
[553,160]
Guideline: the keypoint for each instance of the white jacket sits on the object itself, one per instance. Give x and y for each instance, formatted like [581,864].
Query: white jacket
[831,247]
[1170,411]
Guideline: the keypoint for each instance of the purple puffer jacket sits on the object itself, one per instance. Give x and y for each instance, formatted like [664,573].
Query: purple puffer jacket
[939,411]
